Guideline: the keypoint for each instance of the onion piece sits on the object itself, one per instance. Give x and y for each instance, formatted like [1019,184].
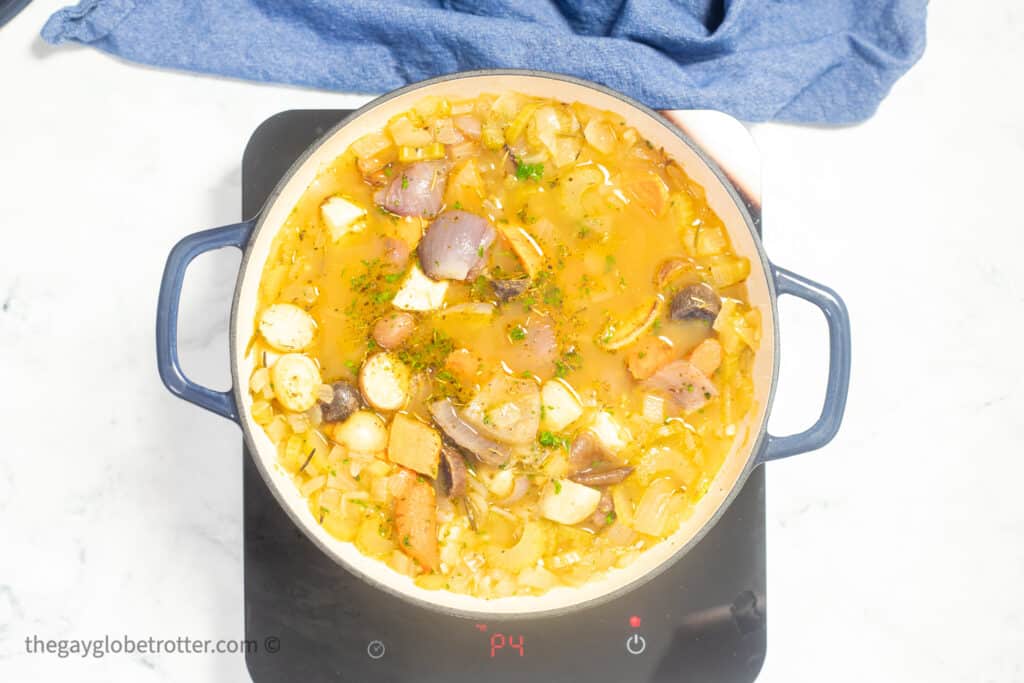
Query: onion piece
[454,244]
[486,451]
[681,381]
[519,489]
[416,190]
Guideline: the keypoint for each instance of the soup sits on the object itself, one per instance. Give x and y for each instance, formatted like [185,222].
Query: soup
[503,345]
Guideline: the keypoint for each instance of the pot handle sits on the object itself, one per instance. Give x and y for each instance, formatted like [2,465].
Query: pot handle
[220,402]
[825,428]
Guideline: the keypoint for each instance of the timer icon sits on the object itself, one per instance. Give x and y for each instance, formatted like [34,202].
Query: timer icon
[636,644]
[375,649]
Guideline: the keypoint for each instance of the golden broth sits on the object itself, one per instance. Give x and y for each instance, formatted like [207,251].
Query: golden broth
[603,213]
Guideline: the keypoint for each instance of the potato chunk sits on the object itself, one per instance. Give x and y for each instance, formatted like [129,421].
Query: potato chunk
[342,216]
[419,293]
[560,405]
[415,445]
[566,502]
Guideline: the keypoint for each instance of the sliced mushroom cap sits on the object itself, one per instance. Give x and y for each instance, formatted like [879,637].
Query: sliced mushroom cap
[585,452]
[602,477]
[453,470]
[451,423]
[507,290]
[345,402]
[603,515]
[696,302]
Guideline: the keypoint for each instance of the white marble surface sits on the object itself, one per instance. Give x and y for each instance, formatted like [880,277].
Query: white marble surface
[895,554]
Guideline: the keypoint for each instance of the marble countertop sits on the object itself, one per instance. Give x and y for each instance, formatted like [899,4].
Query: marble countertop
[896,553]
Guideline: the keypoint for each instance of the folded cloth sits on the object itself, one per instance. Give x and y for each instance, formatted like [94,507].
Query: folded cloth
[811,61]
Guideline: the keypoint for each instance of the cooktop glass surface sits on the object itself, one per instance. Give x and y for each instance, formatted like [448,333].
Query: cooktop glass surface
[703,619]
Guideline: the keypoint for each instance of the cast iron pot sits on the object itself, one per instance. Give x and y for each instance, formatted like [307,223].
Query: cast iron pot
[753,445]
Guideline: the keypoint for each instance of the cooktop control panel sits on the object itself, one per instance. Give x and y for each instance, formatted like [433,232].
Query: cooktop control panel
[702,619]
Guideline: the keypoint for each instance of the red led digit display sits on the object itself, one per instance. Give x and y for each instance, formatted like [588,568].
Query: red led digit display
[499,641]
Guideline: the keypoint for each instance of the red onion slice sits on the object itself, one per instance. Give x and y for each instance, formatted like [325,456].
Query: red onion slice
[454,244]
[487,451]
[416,190]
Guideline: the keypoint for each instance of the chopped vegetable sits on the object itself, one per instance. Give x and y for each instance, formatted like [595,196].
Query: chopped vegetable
[344,400]
[567,502]
[621,334]
[416,519]
[707,356]
[419,293]
[295,379]
[342,216]
[561,405]
[392,330]
[363,432]
[506,409]
[384,381]
[287,327]
[414,445]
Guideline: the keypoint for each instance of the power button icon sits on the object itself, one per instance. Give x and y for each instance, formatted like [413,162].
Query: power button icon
[636,644]
[375,649]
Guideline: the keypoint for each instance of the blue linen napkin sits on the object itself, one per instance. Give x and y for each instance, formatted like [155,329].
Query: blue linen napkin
[810,61]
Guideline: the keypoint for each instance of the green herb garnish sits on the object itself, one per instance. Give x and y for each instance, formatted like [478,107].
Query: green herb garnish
[529,171]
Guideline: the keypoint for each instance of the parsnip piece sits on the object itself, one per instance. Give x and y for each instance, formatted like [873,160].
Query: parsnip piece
[525,248]
[610,433]
[295,379]
[384,381]
[287,327]
[414,444]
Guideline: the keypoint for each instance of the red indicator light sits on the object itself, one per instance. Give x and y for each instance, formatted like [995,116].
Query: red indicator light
[634,621]
[482,628]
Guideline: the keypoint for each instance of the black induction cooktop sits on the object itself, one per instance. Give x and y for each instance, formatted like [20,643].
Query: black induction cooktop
[702,620]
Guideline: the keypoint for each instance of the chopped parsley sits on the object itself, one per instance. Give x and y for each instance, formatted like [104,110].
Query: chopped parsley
[553,296]
[551,440]
[457,205]
[558,486]
[529,171]
[517,333]
[405,182]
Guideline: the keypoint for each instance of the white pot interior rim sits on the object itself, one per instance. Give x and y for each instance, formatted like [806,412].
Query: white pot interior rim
[724,199]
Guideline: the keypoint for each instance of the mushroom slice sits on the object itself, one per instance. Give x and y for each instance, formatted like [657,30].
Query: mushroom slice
[619,335]
[458,430]
[507,409]
[507,290]
[453,471]
[696,302]
[286,327]
[615,475]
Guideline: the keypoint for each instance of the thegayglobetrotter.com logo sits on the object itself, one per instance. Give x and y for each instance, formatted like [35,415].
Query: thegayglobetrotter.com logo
[97,648]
